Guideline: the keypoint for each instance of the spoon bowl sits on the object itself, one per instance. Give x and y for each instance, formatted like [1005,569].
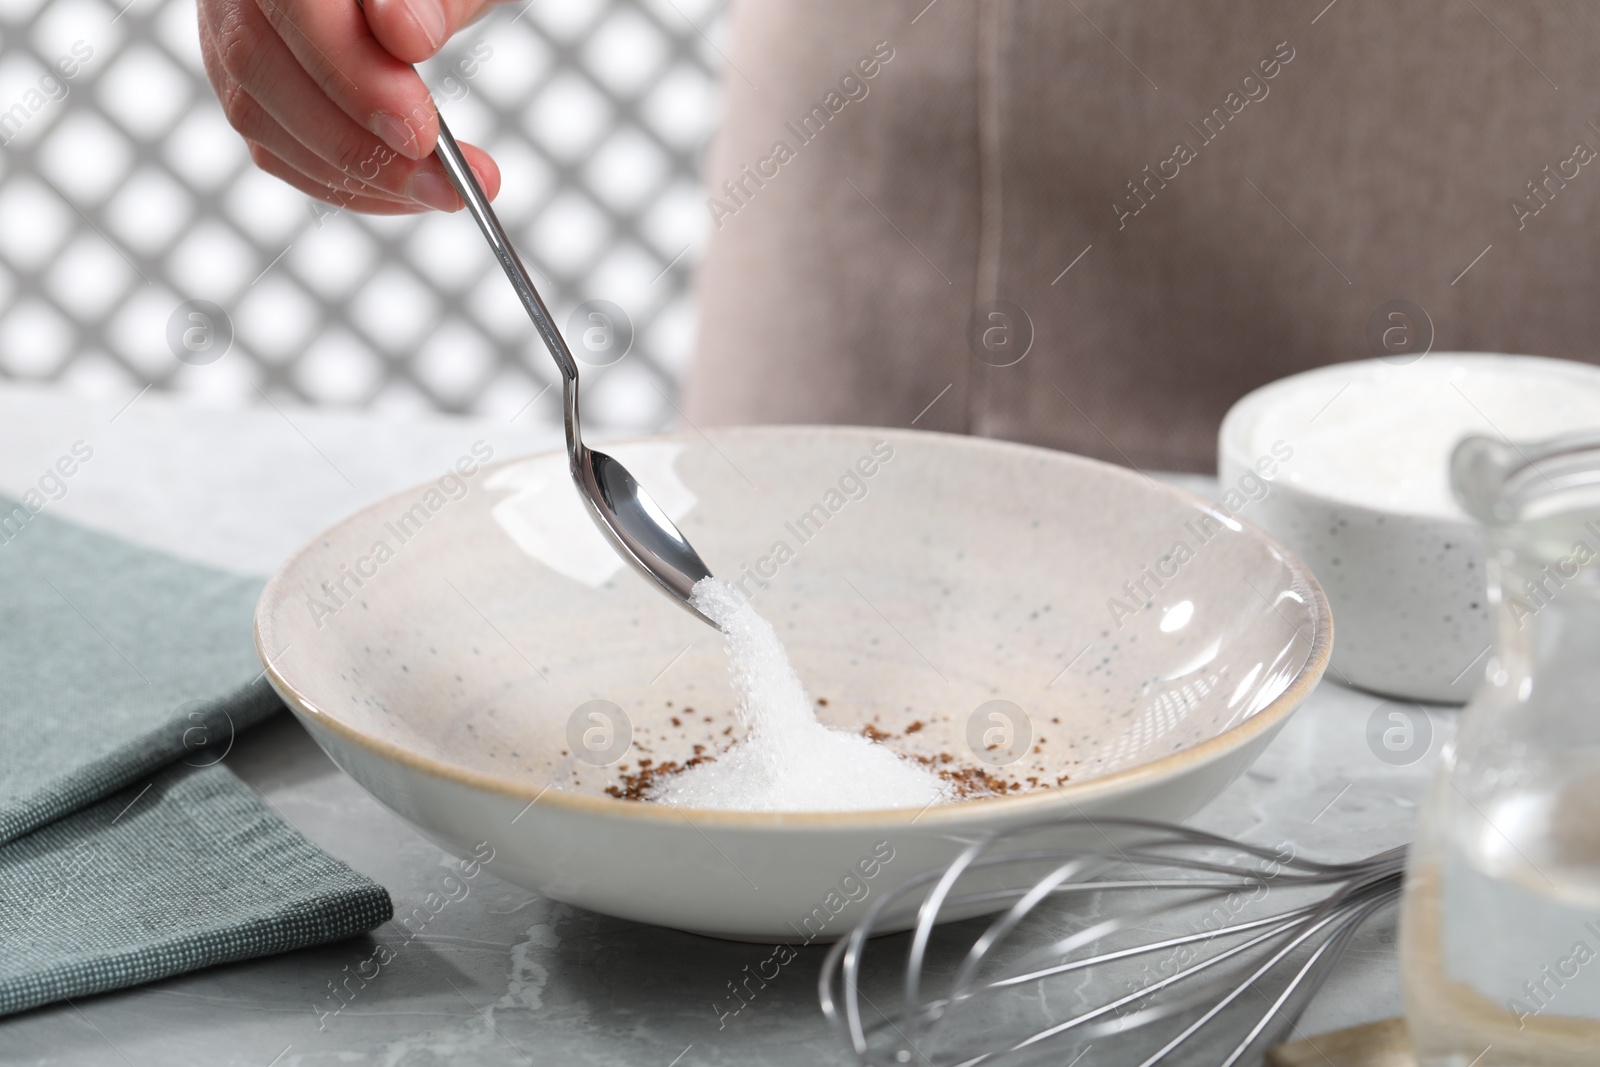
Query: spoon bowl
[638,528]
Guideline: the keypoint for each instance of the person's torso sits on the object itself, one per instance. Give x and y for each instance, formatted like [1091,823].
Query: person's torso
[1167,203]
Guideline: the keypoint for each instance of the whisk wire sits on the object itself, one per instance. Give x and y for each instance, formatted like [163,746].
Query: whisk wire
[1203,871]
[1330,947]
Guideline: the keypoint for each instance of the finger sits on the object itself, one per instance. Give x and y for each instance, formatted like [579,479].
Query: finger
[247,116]
[282,145]
[381,94]
[414,30]
[372,205]
[267,80]
[484,168]
[437,192]
[277,142]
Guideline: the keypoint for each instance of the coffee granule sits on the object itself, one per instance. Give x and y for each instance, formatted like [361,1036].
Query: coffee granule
[967,782]
[641,786]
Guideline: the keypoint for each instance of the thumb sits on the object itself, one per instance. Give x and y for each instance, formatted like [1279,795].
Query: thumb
[414,30]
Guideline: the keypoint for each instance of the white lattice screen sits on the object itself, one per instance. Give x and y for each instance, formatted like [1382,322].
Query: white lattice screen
[129,196]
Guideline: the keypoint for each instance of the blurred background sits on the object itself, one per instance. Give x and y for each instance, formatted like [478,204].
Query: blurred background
[125,197]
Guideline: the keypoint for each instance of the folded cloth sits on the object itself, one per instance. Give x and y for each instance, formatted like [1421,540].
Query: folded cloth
[115,662]
[188,870]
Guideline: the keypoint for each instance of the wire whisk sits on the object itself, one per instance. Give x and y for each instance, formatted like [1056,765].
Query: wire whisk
[1169,931]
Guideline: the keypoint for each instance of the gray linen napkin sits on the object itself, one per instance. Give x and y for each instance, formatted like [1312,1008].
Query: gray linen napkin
[189,870]
[116,868]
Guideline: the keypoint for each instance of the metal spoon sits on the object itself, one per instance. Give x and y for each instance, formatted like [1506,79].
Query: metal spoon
[635,525]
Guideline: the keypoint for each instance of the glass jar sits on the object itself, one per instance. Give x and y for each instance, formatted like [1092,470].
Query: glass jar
[1500,926]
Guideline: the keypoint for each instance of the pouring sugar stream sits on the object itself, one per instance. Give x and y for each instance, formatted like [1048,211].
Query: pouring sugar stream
[788,761]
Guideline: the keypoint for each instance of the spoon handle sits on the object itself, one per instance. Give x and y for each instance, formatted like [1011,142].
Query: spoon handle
[466,183]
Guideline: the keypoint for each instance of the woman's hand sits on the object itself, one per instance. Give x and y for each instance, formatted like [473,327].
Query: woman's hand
[324,94]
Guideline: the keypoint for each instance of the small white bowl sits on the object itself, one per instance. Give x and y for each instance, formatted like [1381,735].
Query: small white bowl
[1369,509]
[926,576]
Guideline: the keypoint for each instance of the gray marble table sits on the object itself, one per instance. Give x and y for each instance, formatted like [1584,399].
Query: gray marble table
[504,976]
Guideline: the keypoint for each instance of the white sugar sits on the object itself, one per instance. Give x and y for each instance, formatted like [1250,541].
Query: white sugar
[1381,435]
[788,761]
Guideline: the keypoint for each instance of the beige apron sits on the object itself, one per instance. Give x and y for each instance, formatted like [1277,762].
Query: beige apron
[1170,202]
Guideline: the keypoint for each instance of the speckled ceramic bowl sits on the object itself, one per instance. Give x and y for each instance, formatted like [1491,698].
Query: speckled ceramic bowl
[1406,580]
[471,654]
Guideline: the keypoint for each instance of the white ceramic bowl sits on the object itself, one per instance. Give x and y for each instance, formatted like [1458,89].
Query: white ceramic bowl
[1402,565]
[924,576]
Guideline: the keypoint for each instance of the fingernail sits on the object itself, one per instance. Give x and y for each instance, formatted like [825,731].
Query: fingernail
[396,133]
[429,17]
[433,189]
